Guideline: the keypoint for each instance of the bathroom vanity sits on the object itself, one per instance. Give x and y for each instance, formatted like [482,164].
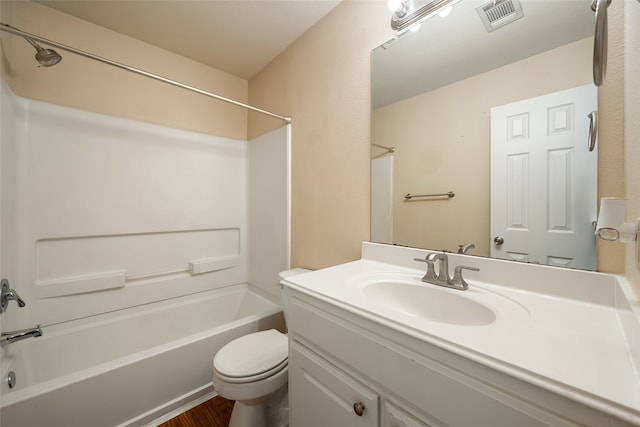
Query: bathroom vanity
[525,345]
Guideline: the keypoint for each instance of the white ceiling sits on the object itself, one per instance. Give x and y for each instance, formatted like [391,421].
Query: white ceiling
[239,37]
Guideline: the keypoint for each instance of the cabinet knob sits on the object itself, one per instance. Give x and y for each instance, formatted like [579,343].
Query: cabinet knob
[358,408]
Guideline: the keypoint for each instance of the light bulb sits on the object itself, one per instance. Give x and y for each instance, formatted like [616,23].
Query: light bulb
[394,5]
[445,12]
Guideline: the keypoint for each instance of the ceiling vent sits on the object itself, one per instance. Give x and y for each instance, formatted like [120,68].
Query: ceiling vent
[498,13]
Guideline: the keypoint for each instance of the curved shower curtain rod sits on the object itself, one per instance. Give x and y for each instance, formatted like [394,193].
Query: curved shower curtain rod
[15,31]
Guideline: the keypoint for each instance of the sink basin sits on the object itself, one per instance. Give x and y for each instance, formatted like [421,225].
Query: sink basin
[409,296]
[429,303]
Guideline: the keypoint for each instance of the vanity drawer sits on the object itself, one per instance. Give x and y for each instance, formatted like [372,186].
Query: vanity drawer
[323,395]
[440,391]
[394,416]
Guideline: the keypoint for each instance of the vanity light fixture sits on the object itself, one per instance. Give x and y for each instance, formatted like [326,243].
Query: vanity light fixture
[408,13]
[445,11]
[611,223]
[394,5]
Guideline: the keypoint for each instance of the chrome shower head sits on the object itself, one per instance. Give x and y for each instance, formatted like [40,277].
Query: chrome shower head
[45,57]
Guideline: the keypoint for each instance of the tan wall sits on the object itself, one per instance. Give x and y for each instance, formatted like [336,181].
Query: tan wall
[88,85]
[442,141]
[611,134]
[322,81]
[632,132]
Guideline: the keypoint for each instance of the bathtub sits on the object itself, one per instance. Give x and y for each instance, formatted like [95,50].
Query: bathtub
[131,367]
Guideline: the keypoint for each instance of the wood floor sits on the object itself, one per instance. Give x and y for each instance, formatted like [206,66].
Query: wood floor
[215,412]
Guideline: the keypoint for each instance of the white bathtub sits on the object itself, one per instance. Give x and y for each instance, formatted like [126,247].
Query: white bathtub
[130,367]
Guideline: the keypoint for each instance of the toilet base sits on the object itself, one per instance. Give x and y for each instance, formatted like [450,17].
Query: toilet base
[244,415]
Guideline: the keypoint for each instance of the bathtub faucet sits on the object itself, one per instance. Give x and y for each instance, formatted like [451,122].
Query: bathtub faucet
[7,295]
[14,336]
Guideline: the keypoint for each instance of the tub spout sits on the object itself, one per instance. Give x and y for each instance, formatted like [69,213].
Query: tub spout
[14,336]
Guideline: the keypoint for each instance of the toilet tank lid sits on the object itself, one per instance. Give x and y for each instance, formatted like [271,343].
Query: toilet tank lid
[293,272]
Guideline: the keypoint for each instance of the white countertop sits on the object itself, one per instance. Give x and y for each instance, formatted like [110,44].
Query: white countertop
[558,329]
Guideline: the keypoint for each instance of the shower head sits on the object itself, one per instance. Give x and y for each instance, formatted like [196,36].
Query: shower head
[45,57]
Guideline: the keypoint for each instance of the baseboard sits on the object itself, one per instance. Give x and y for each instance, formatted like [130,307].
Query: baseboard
[165,412]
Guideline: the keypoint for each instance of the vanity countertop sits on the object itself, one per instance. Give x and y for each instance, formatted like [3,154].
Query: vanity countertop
[571,332]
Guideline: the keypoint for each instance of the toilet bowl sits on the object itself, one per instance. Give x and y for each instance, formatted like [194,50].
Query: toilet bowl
[250,369]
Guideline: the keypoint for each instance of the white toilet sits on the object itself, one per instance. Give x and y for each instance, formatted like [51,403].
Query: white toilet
[250,369]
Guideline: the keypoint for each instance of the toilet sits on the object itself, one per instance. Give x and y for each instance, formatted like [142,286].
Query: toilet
[250,369]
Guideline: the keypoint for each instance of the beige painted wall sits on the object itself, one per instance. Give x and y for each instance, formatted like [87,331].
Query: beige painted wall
[442,140]
[322,81]
[611,134]
[632,131]
[88,85]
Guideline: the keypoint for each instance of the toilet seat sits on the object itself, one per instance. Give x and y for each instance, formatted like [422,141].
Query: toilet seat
[252,357]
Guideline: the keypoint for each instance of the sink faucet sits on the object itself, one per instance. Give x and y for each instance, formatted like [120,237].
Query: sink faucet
[15,336]
[443,266]
[462,249]
[443,278]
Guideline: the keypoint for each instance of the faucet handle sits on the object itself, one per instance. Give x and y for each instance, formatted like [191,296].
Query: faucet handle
[458,280]
[431,270]
[7,295]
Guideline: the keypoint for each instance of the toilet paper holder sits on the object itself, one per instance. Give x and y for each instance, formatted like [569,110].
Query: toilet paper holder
[611,223]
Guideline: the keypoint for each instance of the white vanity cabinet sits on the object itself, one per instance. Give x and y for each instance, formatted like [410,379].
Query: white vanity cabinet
[339,359]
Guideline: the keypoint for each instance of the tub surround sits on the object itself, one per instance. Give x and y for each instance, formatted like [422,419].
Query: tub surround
[570,333]
[133,212]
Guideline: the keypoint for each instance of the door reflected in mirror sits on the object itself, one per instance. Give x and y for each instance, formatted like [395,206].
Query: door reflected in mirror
[443,96]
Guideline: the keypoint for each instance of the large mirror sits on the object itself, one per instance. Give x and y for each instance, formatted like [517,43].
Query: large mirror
[480,131]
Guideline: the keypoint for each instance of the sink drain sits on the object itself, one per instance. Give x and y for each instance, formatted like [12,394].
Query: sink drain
[11,379]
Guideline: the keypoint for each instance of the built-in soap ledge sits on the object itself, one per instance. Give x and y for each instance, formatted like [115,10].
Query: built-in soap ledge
[80,285]
[118,279]
[209,265]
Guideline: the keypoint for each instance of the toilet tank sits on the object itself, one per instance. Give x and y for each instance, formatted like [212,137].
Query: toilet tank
[285,275]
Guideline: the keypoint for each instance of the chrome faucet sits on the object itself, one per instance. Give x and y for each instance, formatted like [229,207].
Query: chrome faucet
[462,249]
[7,295]
[15,336]
[443,278]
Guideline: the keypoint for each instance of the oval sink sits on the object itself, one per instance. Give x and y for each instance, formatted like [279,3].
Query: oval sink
[407,295]
[429,303]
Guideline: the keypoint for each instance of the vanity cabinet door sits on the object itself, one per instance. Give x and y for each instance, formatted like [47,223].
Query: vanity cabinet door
[394,416]
[322,395]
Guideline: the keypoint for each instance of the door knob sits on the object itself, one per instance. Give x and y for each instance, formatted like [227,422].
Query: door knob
[498,240]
